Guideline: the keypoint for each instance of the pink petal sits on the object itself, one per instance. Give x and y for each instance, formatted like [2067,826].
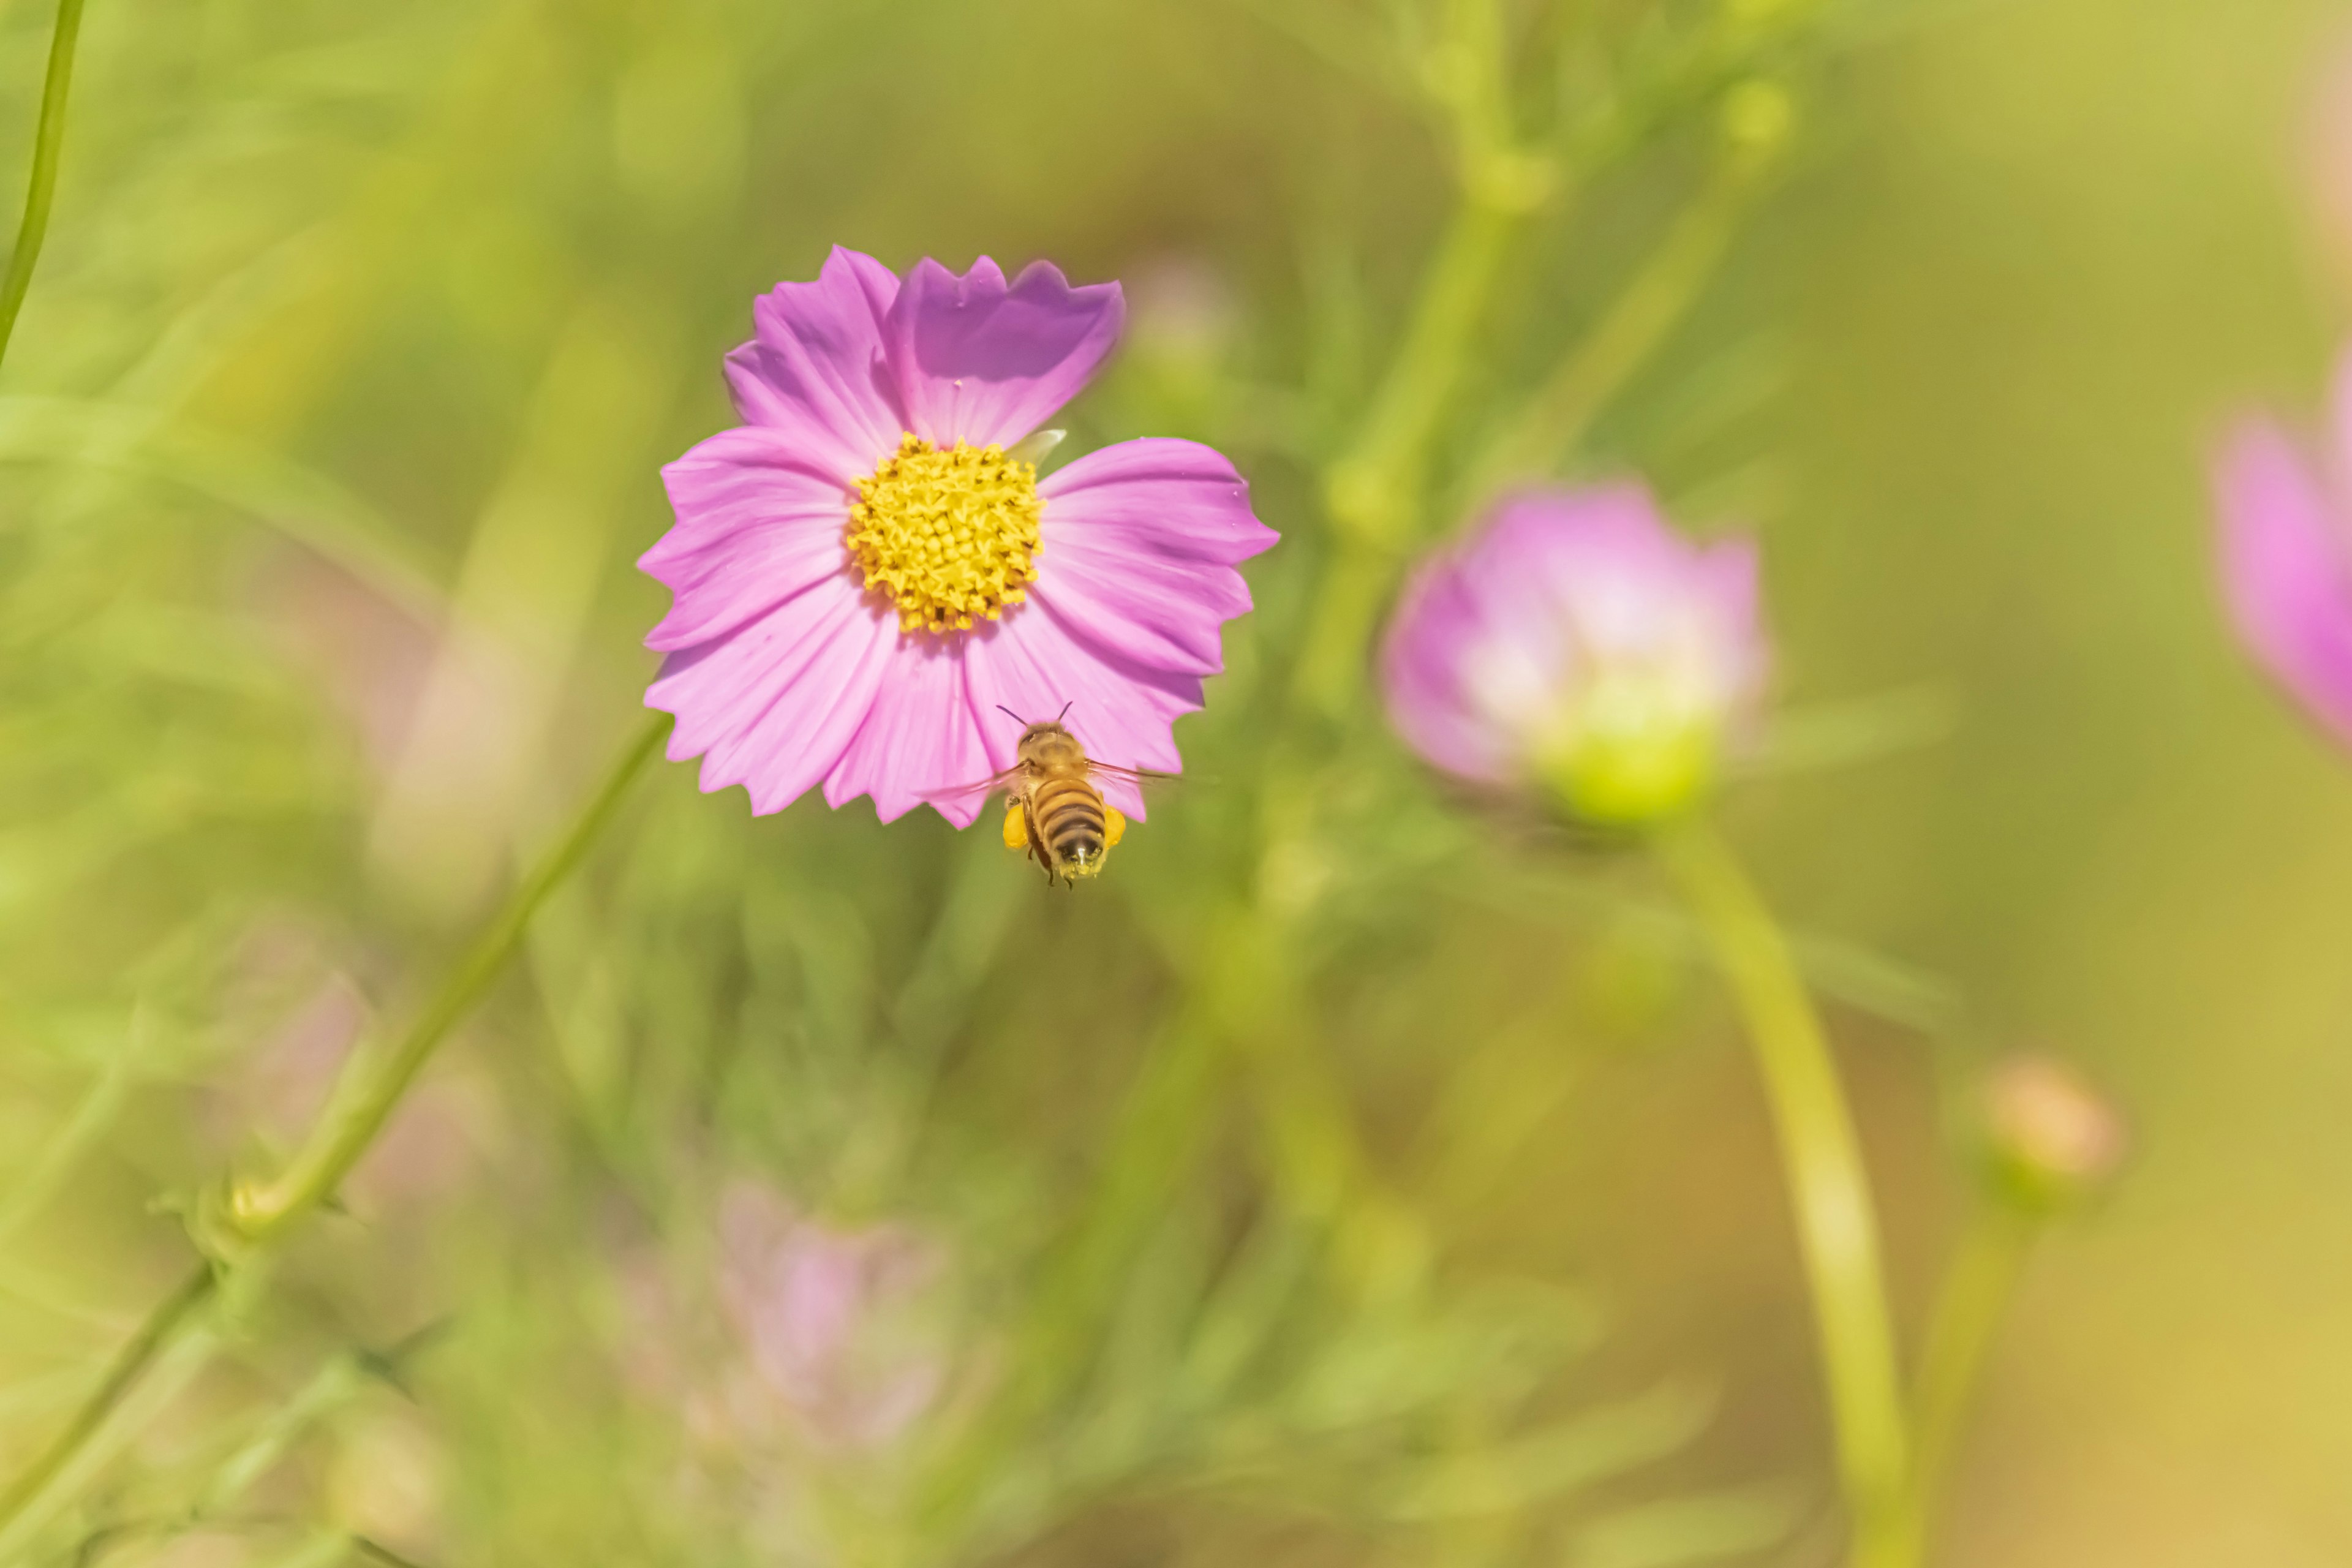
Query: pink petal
[920,742]
[2286,570]
[754,528]
[1139,543]
[1436,629]
[1604,557]
[818,371]
[1031,663]
[983,364]
[1726,596]
[774,704]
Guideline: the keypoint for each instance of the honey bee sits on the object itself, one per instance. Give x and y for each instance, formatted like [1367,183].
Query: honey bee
[1053,809]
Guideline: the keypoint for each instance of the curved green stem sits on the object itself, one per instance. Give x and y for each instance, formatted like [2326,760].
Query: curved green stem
[1828,1186]
[373,1084]
[364,1097]
[1968,1308]
[48,139]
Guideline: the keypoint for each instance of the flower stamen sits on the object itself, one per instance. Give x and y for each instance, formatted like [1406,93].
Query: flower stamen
[946,535]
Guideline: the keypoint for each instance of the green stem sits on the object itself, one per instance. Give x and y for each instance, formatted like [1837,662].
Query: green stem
[1557,414]
[372,1087]
[1828,1187]
[195,1289]
[1968,1308]
[48,139]
[1373,491]
[1332,659]
[363,1099]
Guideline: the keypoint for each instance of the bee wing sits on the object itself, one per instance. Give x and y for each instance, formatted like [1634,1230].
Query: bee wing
[1146,784]
[1141,778]
[980,789]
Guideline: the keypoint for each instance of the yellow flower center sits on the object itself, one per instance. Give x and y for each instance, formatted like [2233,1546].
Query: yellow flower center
[946,535]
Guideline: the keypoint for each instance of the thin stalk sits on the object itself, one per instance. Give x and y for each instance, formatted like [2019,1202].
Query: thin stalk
[1331,660]
[1654,300]
[1969,1306]
[1828,1187]
[196,1288]
[363,1099]
[1373,489]
[372,1086]
[41,189]
[89,1121]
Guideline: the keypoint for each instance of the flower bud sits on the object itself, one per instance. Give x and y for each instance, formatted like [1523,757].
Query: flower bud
[2052,1139]
[1576,647]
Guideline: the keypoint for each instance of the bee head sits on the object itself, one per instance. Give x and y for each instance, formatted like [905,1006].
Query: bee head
[1046,740]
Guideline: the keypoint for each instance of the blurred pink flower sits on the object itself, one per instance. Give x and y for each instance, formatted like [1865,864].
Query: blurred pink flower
[863,574]
[824,1316]
[1575,643]
[2286,553]
[804,1337]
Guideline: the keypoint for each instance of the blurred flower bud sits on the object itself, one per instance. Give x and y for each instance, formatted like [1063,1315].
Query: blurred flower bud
[2286,555]
[2052,1139]
[1576,646]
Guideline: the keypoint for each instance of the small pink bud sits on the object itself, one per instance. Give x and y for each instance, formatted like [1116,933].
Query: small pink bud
[2053,1138]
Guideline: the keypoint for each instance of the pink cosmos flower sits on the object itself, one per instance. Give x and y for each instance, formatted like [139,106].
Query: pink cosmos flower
[865,570]
[1576,644]
[2286,555]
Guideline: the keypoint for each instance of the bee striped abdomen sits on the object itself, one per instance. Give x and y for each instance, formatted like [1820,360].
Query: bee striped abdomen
[1067,814]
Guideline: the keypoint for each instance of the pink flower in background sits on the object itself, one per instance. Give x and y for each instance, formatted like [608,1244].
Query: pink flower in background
[1574,643]
[2286,555]
[824,1315]
[863,574]
[804,1338]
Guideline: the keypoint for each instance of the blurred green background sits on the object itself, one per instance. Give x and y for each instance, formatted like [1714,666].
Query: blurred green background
[333,427]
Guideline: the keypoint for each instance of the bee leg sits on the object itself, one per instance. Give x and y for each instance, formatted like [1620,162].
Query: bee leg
[1016,827]
[1114,826]
[1037,851]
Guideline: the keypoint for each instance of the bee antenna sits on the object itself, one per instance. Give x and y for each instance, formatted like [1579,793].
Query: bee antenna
[1065,713]
[1009,713]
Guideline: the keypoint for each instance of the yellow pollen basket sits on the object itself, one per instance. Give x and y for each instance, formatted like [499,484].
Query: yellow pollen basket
[947,535]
